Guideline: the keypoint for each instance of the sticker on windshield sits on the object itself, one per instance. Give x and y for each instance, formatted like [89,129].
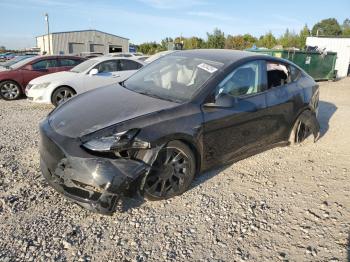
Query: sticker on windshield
[207,68]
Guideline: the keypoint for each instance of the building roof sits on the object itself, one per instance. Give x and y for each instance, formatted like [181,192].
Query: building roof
[80,31]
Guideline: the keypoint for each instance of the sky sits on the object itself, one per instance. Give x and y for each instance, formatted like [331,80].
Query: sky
[153,20]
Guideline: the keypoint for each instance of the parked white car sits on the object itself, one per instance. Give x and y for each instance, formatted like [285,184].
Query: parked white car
[97,72]
[158,55]
[126,54]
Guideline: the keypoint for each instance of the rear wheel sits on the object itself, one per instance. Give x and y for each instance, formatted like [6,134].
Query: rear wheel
[62,94]
[171,173]
[10,90]
[301,129]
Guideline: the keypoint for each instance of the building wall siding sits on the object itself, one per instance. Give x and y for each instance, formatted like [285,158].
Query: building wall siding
[60,41]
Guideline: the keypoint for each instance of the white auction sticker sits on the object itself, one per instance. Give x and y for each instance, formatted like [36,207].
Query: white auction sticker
[207,68]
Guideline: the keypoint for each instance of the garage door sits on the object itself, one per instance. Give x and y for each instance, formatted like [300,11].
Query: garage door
[97,48]
[115,49]
[76,48]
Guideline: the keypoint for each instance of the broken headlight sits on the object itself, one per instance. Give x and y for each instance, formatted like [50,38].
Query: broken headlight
[117,142]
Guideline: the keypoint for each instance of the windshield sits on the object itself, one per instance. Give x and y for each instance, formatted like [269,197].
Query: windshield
[172,77]
[23,62]
[15,60]
[82,67]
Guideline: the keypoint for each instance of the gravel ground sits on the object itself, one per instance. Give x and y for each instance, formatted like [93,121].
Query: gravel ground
[288,203]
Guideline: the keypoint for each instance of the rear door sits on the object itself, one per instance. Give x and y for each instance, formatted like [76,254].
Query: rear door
[284,98]
[126,69]
[231,132]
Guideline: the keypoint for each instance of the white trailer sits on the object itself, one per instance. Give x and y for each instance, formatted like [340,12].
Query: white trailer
[341,45]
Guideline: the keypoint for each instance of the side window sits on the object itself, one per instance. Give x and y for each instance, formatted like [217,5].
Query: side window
[278,74]
[244,80]
[129,65]
[44,64]
[107,66]
[68,62]
[294,73]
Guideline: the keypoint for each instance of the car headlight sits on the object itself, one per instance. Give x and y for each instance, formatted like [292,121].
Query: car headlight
[116,142]
[40,86]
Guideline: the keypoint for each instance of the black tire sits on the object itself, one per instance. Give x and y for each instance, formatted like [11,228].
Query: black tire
[10,90]
[302,128]
[61,95]
[171,174]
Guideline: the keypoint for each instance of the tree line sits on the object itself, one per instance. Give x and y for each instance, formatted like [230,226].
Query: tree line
[218,39]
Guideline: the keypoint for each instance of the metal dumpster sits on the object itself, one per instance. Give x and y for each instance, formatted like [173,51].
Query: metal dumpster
[319,66]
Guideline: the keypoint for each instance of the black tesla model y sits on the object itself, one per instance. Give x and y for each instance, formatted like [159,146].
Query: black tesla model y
[184,113]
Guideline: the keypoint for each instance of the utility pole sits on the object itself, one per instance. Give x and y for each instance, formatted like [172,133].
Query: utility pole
[48,31]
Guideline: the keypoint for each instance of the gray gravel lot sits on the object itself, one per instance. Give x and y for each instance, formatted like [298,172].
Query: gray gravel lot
[289,203]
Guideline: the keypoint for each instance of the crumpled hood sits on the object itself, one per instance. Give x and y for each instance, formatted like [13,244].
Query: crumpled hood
[102,107]
[60,76]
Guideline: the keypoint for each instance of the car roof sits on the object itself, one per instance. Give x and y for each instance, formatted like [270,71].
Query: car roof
[224,56]
[105,58]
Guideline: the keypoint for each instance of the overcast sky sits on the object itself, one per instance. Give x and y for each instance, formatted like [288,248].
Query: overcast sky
[148,20]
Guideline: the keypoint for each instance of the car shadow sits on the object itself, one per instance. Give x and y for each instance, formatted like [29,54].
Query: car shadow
[325,112]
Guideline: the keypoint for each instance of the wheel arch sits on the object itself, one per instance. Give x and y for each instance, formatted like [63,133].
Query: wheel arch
[4,80]
[60,86]
[190,142]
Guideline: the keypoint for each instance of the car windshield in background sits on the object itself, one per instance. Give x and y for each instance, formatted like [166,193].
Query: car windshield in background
[23,62]
[84,66]
[175,78]
[15,60]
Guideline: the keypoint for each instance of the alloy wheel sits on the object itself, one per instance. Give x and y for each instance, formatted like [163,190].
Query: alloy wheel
[169,173]
[63,95]
[9,91]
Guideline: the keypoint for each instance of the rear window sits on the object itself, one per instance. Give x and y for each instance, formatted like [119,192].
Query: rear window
[129,65]
[69,62]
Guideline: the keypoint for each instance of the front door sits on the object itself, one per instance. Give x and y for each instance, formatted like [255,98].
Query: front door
[39,68]
[231,132]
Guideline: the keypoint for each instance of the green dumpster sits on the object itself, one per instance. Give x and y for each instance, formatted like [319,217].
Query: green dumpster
[319,66]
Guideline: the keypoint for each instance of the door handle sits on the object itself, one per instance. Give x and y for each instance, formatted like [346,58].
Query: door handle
[115,76]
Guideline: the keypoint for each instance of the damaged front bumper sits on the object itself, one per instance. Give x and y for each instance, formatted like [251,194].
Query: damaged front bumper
[93,182]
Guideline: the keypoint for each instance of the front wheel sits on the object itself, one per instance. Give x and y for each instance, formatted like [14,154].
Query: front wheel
[10,90]
[172,172]
[61,95]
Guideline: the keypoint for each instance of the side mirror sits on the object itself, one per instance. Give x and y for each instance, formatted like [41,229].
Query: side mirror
[93,72]
[223,101]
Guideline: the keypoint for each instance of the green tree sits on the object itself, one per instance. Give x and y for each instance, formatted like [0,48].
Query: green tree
[249,40]
[234,42]
[164,43]
[327,27]
[240,42]
[289,39]
[150,48]
[216,39]
[304,33]
[193,42]
[346,27]
[2,48]
[268,40]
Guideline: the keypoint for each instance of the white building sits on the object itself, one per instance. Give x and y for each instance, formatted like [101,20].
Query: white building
[76,42]
[341,45]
